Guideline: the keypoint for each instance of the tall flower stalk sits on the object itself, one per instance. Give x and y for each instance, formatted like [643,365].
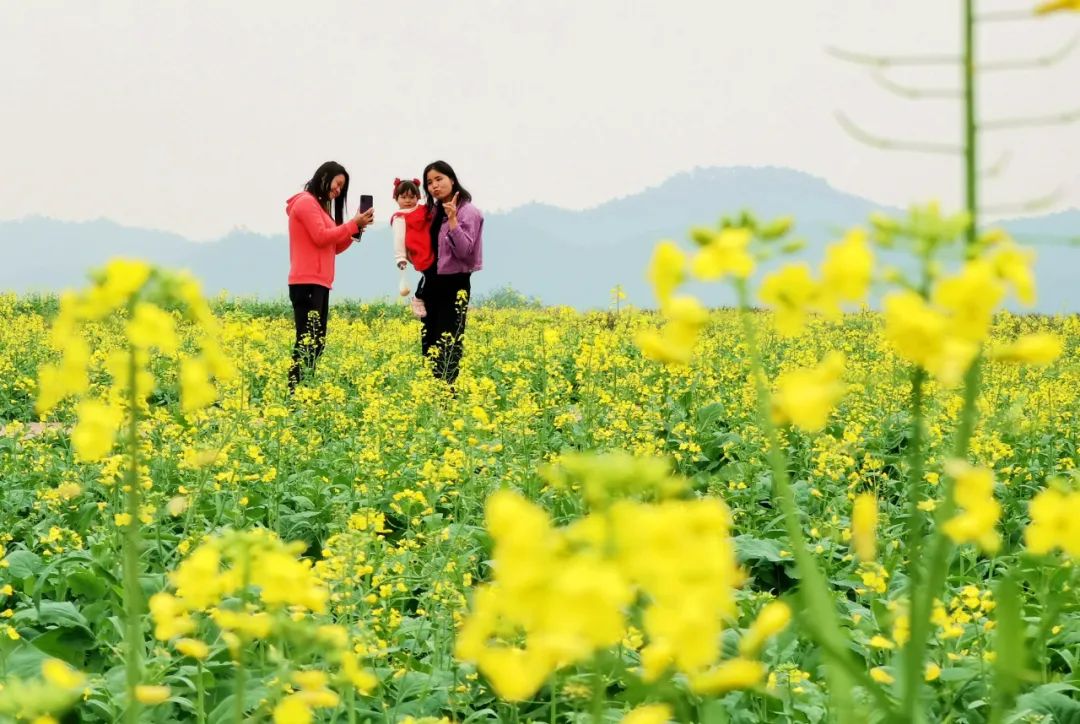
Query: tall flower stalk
[139,297]
[133,598]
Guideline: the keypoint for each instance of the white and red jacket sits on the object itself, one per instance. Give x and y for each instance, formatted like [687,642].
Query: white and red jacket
[412,237]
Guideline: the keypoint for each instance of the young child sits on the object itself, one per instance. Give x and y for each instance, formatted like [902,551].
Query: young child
[412,236]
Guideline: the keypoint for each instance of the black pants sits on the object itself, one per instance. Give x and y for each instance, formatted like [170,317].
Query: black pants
[446,299]
[311,306]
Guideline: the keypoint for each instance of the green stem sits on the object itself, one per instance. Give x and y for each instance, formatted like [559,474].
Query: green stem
[200,695]
[554,698]
[971,131]
[916,471]
[133,642]
[937,567]
[813,589]
[912,660]
[598,698]
[240,682]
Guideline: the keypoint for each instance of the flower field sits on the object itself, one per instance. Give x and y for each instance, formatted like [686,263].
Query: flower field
[745,516]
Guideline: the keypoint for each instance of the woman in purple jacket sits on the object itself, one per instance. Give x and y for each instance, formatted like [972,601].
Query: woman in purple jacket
[457,242]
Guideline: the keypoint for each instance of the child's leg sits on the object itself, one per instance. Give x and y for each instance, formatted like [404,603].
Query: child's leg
[418,306]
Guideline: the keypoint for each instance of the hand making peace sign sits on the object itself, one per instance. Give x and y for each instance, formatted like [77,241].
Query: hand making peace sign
[450,207]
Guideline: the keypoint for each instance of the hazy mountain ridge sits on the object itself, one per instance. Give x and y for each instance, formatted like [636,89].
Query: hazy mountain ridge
[559,255]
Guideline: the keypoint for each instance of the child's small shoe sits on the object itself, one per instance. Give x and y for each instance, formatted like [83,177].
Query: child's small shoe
[418,308]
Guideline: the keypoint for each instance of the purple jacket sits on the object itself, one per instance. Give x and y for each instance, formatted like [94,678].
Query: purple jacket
[462,249]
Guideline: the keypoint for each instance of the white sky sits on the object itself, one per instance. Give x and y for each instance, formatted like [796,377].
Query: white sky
[197,116]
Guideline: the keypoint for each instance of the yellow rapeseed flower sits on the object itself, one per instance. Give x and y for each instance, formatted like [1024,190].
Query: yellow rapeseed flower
[806,397]
[792,292]
[293,710]
[59,674]
[922,335]
[724,253]
[1039,349]
[151,326]
[196,390]
[978,511]
[847,270]
[773,618]
[95,431]
[881,675]
[733,674]
[864,520]
[649,714]
[1055,522]
[150,695]
[194,648]
[667,270]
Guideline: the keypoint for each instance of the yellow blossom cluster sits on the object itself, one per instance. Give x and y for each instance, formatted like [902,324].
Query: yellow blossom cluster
[805,397]
[142,293]
[978,513]
[1055,522]
[253,587]
[59,687]
[845,278]
[944,332]
[559,595]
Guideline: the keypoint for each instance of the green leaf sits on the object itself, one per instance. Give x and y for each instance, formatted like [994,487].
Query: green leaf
[1049,700]
[62,614]
[84,583]
[65,643]
[23,661]
[749,548]
[713,712]
[223,713]
[708,416]
[958,673]
[23,564]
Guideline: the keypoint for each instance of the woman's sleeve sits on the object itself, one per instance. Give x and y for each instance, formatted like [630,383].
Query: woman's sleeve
[398,227]
[464,239]
[320,228]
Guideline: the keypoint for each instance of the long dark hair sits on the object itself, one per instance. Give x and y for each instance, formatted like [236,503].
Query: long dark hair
[319,187]
[444,168]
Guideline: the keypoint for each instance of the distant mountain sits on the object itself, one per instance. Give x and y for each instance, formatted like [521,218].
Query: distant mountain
[561,256]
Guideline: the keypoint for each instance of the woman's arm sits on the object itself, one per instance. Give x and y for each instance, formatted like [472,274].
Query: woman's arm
[320,227]
[466,235]
[343,245]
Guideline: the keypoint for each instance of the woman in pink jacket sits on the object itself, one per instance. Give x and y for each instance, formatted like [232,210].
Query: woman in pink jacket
[315,239]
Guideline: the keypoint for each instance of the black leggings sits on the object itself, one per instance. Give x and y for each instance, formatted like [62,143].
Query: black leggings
[444,324]
[311,306]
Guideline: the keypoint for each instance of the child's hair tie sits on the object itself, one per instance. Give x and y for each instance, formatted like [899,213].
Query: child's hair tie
[416,181]
[397,182]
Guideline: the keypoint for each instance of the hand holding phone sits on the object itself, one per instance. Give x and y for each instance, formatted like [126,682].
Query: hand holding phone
[365,214]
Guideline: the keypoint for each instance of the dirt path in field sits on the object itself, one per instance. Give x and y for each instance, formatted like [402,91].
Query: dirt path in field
[33,429]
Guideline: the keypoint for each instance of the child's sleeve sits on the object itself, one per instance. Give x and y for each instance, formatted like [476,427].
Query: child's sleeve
[398,227]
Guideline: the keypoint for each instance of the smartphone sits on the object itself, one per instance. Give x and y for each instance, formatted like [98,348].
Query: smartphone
[366,202]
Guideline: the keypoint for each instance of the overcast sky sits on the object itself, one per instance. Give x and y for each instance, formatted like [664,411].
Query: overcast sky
[197,116]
